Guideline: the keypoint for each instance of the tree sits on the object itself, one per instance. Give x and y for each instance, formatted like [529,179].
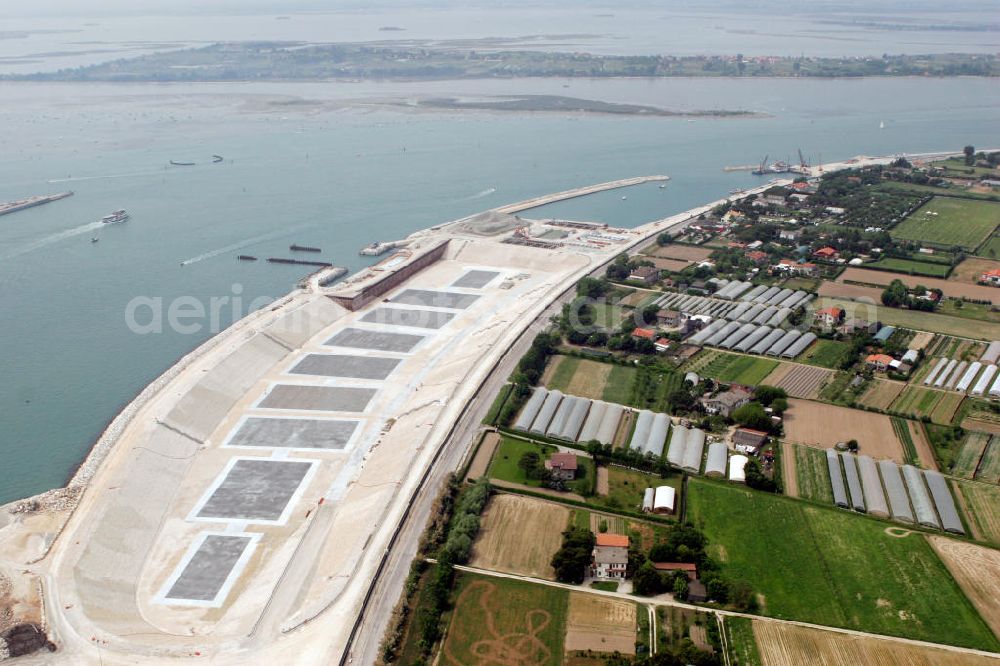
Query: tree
[681,588]
[752,415]
[755,477]
[664,239]
[970,155]
[779,406]
[765,394]
[646,580]
[895,295]
[572,559]
[531,463]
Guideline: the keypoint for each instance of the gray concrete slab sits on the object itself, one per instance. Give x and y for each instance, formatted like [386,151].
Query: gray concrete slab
[452,300]
[359,338]
[209,568]
[289,433]
[415,317]
[255,490]
[475,279]
[323,398]
[343,365]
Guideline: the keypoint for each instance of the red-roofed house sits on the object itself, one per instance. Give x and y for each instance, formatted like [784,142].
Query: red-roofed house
[644,333]
[757,256]
[662,344]
[880,362]
[827,253]
[829,317]
[562,466]
[991,278]
[610,556]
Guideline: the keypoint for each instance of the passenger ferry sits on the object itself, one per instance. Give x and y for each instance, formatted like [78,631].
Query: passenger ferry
[115,217]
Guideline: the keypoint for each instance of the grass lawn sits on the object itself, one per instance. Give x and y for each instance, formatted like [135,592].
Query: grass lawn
[607,316]
[498,403]
[957,308]
[503,616]
[803,283]
[737,368]
[813,474]
[742,644]
[509,452]
[990,249]
[893,186]
[831,567]
[626,488]
[826,353]
[910,267]
[928,321]
[564,372]
[948,222]
[619,384]
[604,585]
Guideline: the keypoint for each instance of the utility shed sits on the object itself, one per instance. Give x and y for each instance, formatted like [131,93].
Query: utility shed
[546,413]
[575,421]
[948,369]
[718,456]
[899,503]
[693,450]
[609,424]
[853,482]
[737,468]
[749,315]
[872,485]
[678,445]
[779,297]
[739,311]
[885,333]
[643,424]
[558,421]
[932,375]
[836,479]
[597,410]
[739,334]
[739,289]
[773,336]
[956,374]
[922,506]
[531,409]
[795,300]
[995,389]
[765,315]
[944,502]
[647,499]
[657,435]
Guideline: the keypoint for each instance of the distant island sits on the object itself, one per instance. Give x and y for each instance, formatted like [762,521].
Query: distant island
[262,61]
[542,103]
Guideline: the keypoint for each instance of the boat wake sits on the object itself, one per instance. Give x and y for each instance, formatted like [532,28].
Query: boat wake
[44,241]
[244,243]
[480,195]
[112,175]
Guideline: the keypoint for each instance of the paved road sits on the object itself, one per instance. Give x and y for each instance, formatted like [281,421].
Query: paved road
[664,600]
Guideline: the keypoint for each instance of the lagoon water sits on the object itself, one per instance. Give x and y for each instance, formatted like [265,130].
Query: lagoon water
[316,164]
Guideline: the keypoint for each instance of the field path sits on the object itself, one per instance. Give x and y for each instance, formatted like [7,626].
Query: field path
[789,475]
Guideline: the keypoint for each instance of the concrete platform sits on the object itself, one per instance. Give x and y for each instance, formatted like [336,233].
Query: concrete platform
[256,490]
[451,300]
[318,398]
[204,577]
[343,365]
[293,433]
[413,317]
[359,338]
[475,279]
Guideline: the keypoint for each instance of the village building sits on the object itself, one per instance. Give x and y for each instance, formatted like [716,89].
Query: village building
[829,317]
[991,277]
[855,325]
[610,556]
[757,256]
[689,568]
[645,274]
[879,362]
[826,254]
[662,344]
[644,334]
[790,234]
[562,466]
[747,440]
[669,318]
[725,403]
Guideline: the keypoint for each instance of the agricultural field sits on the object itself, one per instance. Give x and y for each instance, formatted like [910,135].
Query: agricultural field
[949,287]
[736,368]
[991,248]
[577,376]
[881,393]
[608,315]
[923,321]
[792,645]
[672,265]
[822,426]
[911,267]
[989,466]
[600,624]
[505,622]
[688,253]
[949,222]
[799,381]
[921,340]
[803,283]
[742,644]
[826,354]
[852,291]
[967,461]
[520,535]
[812,474]
[977,570]
[826,566]
[980,311]
[983,502]
[917,402]
[905,435]
[970,269]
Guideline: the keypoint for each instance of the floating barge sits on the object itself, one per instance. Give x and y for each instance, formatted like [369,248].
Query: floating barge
[247,257]
[31,202]
[303,248]
[299,262]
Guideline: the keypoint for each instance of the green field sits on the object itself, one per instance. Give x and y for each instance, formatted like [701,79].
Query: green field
[619,384]
[504,465]
[989,468]
[742,644]
[813,474]
[607,316]
[990,249]
[949,222]
[916,401]
[626,488]
[830,567]
[910,267]
[983,500]
[928,321]
[500,616]
[616,386]
[734,368]
[968,456]
[902,429]
[826,354]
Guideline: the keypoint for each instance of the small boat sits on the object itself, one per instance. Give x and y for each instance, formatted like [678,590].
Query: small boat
[881,124]
[94,239]
[663,187]
[624,198]
[115,217]
[176,163]
[216,159]
[246,257]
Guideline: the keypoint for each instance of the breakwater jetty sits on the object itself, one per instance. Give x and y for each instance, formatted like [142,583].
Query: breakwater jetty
[30,202]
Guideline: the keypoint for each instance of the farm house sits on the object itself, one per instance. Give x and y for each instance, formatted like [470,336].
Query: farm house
[610,556]
[665,500]
[899,502]
[737,468]
[718,455]
[922,506]
[836,478]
